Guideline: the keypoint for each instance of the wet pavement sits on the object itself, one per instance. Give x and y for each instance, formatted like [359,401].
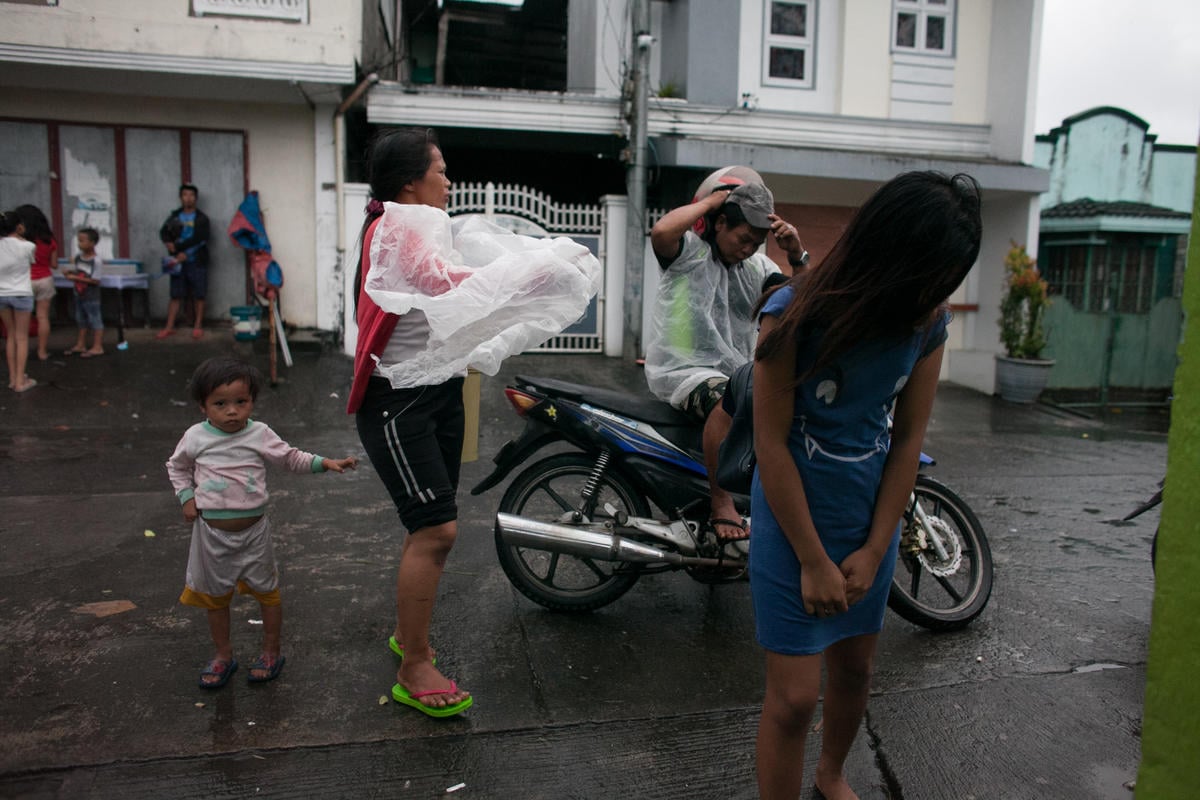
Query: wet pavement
[655,696]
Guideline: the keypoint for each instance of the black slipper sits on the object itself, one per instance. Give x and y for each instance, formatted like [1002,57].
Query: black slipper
[272,669]
[222,669]
[713,522]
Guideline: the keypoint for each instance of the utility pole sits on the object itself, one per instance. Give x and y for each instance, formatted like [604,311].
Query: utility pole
[635,178]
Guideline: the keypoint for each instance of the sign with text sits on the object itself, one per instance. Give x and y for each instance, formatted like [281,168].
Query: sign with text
[285,10]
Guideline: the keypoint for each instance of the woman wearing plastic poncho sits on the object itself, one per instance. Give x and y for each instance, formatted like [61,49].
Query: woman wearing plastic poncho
[435,298]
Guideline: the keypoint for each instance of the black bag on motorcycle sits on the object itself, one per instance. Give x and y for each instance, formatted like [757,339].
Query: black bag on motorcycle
[735,461]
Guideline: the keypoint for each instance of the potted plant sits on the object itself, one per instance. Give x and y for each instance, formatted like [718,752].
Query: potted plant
[1021,373]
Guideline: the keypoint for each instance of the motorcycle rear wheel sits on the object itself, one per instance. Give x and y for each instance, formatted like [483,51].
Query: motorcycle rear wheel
[945,602]
[546,491]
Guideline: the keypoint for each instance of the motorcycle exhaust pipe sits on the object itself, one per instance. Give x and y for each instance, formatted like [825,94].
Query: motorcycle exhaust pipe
[524,532]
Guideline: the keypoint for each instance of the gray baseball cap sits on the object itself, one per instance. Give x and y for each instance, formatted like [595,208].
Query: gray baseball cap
[755,201]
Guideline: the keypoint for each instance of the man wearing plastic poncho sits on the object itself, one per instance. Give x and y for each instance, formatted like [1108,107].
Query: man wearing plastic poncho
[703,328]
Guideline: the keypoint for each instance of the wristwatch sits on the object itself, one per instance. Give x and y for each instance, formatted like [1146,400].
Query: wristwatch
[802,261]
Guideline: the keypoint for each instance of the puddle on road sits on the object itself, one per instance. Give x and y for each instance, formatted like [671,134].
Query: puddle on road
[1097,668]
[1072,544]
[1110,782]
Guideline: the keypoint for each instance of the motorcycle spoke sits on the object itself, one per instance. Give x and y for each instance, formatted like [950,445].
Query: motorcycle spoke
[552,569]
[601,574]
[950,588]
[915,582]
[555,496]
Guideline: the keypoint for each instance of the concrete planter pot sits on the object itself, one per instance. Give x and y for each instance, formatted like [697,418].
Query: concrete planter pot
[1021,380]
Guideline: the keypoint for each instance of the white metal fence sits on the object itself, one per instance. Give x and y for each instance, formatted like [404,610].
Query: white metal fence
[557,219]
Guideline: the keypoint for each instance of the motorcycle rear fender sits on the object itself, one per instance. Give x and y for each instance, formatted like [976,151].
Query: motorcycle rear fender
[516,452]
[551,420]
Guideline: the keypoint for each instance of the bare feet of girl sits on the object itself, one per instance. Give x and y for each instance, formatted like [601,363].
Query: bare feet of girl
[833,786]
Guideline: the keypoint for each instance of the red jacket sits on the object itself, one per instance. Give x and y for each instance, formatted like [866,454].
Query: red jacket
[375,327]
[427,271]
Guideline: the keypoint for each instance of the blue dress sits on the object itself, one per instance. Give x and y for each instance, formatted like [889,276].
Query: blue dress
[839,442]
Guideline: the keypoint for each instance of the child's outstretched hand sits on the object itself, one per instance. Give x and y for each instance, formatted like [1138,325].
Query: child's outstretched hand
[339,464]
[189,510]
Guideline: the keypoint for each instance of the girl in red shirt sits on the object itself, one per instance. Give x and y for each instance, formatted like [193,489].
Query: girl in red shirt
[37,230]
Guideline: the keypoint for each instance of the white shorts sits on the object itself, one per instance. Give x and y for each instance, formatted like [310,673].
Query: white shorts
[220,561]
[43,289]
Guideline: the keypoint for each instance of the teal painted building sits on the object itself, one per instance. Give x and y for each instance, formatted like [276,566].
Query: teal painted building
[1112,247]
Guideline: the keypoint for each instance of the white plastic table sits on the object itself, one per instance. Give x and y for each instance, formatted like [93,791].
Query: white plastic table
[138,282]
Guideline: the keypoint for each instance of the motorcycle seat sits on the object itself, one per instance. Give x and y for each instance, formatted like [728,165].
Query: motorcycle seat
[644,409]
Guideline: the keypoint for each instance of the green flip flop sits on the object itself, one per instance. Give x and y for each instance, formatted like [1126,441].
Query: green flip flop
[403,696]
[399,651]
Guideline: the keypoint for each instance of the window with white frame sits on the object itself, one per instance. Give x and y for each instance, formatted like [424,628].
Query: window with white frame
[923,26]
[789,52]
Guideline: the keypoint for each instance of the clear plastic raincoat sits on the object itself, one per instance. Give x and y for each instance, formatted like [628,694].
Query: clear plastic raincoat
[486,292]
[702,326]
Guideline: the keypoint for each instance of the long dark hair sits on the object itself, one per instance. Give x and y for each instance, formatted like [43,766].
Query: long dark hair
[906,250]
[9,222]
[37,227]
[395,157]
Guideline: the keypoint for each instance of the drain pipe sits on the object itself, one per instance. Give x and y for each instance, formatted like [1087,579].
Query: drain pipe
[339,170]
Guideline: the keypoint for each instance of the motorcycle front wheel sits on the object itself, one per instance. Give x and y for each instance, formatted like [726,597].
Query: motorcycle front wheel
[551,490]
[942,594]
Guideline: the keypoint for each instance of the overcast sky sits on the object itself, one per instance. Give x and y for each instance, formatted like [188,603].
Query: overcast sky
[1141,56]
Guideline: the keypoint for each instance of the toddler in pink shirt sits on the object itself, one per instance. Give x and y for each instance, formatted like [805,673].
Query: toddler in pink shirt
[219,474]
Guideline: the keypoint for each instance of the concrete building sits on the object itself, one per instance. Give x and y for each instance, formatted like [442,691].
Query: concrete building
[827,99]
[111,103]
[108,105]
[1113,244]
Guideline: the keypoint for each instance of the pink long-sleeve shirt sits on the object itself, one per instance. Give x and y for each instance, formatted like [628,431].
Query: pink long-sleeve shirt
[226,473]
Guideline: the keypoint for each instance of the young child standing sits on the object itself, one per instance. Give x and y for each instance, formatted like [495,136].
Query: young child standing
[16,298]
[37,230]
[218,471]
[85,272]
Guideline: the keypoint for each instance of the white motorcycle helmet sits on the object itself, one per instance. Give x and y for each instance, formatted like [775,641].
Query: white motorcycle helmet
[735,175]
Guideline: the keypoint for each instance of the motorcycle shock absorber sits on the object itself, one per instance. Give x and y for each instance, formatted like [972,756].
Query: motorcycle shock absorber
[592,485]
[912,537]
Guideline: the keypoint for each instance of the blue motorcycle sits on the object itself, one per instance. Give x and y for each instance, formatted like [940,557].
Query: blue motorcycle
[625,494]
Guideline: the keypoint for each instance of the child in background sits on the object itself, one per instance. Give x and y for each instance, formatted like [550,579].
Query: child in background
[85,271]
[37,230]
[16,298]
[219,474]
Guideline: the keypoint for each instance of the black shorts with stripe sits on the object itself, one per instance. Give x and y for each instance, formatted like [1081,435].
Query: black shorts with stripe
[414,438]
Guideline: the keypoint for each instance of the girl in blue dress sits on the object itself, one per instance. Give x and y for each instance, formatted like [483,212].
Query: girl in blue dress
[840,346]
